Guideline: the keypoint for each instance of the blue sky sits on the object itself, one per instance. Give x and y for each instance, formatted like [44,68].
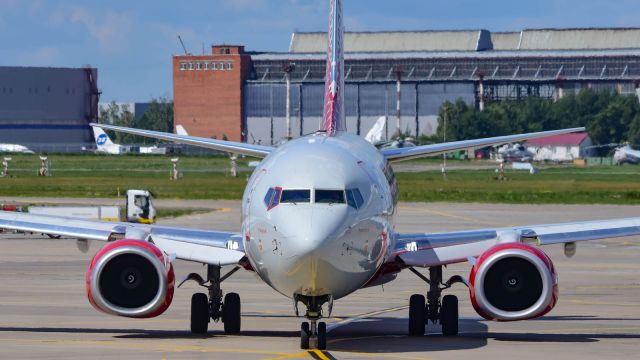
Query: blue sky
[131,42]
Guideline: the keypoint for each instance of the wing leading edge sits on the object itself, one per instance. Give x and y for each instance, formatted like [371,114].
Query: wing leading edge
[207,247]
[401,154]
[425,250]
[259,151]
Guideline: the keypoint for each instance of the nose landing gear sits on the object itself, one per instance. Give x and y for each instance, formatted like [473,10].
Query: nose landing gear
[432,309]
[313,334]
[211,306]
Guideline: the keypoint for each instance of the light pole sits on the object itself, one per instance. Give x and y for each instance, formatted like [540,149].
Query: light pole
[444,139]
[288,69]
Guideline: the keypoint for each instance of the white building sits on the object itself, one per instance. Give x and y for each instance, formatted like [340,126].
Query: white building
[561,148]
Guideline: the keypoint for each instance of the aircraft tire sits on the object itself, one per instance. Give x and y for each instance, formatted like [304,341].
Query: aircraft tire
[199,313]
[449,315]
[231,313]
[304,336]
[417,315]
[322,336]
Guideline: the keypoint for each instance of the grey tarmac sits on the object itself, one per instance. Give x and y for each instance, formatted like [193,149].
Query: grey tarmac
[44,312]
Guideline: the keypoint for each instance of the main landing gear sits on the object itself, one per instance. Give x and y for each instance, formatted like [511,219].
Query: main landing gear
[445,312]
[313,334]
[205,307]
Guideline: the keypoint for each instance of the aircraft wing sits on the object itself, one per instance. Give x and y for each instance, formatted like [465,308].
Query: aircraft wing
[423,249]
[401,154]
[207,247]
[260,151]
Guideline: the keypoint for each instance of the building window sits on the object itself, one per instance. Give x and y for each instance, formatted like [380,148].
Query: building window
[214,66]
[205,65]
[183,66]
[221,66]
[229,66]
[227,51]
[190,66]
[198,66]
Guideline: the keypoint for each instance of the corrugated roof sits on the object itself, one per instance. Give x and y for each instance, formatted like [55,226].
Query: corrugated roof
[505,40]
[473,40]
[574,39]
[564,139]
[449,55]
[395,41]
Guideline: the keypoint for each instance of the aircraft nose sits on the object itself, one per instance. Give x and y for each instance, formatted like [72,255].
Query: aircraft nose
[313,235]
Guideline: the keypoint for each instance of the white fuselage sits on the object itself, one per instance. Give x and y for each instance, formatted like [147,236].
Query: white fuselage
[311,248]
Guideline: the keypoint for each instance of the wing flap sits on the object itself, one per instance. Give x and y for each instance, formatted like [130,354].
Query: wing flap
[208,247]
[423,249]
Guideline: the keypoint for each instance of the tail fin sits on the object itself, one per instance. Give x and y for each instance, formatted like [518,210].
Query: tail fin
[101,138]
[180,130]
[333,119]
[374,135]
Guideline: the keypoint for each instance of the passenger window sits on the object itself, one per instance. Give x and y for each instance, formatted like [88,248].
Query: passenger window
[330,196]
[295,196]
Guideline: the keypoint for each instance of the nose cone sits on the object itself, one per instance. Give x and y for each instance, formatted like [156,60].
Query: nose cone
[311,238]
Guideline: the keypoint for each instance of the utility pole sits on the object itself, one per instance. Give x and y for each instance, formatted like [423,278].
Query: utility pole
[444,138]
[398,98]
[288,69]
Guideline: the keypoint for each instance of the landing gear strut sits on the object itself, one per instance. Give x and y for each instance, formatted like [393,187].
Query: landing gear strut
[313,334]
[444,312]
[211,306]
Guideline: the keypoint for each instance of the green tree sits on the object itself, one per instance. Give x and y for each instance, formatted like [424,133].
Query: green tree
[119,115]
[608,116]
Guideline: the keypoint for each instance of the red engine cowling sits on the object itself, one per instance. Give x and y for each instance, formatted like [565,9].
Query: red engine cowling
[131,278]
[512,282]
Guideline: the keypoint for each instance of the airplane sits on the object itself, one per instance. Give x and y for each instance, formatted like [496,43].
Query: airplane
[626,154]
[14,148]
[180,130]
[374,136]
[106,146]
[514,153]
[317,225]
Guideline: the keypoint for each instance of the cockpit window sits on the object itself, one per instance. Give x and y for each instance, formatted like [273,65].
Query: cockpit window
[354,198]
[268,197]
[295,196]
[330,196]
[272,199]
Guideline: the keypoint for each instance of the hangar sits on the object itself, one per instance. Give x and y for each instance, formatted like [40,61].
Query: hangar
[48,109]
[405,76]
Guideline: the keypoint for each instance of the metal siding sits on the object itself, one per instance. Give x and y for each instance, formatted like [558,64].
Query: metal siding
[45,108]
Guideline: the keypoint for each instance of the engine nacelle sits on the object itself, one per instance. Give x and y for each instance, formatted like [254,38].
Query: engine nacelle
[513,281]
[131,278]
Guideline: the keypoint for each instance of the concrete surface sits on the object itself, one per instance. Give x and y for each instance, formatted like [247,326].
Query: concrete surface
[44,312]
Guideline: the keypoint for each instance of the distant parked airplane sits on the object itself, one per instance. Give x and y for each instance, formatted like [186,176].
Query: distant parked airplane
[106,146]
[14,148]
[626,154]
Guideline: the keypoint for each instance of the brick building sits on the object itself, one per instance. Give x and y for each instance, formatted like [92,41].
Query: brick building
[208,92]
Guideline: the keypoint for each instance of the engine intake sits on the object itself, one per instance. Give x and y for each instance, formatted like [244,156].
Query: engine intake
[513,281]
[131,278]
